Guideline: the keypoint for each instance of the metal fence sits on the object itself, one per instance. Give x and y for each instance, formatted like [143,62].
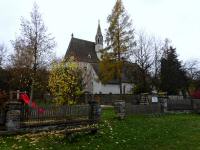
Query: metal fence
[2,116]
[179,104]
[164,104]
[54,115]
[109,99]
[143,109]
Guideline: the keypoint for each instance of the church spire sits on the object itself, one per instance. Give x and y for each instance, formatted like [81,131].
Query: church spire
[99,37]
[98,41]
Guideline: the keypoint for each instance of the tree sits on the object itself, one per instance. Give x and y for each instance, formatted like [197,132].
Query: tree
[156,67]
[3,72]
[192,68]
[173,77]
[120,41]
[34,46]
[143,56]
[2,54]
[193,73]
[65,82]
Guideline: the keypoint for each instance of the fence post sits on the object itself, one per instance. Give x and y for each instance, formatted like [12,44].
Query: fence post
[163,102]
[13,112]
[120,109]
[196,105]
[18,93]
[94,111]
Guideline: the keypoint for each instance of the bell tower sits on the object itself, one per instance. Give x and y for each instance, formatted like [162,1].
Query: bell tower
[98,41]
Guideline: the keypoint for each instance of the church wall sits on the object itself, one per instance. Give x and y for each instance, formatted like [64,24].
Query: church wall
[110,88]
[94,86]
[88,76]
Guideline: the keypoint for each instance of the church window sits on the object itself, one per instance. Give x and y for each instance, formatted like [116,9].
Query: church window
[89,56]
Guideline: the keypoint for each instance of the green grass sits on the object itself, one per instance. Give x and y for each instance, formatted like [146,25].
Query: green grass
[177,131]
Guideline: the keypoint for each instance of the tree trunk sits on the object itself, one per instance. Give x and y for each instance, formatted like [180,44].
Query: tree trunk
[120,88]
[31,95]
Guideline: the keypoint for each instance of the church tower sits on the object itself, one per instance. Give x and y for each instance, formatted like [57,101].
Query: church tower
[98,41]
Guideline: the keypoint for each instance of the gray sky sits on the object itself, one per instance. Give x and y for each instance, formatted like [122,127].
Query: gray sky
[178,20]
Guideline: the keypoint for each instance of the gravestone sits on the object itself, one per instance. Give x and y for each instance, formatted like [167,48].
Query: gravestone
[94,111]
[119,107]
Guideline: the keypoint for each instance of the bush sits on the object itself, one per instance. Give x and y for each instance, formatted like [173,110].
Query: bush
[65,82]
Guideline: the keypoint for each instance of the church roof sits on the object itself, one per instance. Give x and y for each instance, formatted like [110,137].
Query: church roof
[125,78]
[82,50]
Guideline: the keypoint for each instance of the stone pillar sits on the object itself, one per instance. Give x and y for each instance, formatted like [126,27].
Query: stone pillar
[13,111]
[94,111]
[119,107]
[163,102]
[196,105]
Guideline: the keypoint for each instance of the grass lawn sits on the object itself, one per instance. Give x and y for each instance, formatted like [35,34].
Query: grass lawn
[180,131]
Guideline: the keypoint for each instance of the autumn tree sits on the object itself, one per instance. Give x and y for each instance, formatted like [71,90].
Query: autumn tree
[33,48]
[120,41]
[65,82]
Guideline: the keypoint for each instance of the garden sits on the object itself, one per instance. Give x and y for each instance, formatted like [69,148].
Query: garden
[159,131]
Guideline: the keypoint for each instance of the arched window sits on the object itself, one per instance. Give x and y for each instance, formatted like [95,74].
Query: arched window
[89,56]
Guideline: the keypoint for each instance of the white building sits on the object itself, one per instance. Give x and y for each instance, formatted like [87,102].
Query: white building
[88,55]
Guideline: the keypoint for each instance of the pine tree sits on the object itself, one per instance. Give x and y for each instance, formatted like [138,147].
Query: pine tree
[120,40]
[173,76]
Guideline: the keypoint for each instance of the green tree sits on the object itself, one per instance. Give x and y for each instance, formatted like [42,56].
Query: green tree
[173,77]
[65,82]
[120,41]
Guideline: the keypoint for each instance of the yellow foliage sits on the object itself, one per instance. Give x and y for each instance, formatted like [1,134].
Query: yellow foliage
[65,82]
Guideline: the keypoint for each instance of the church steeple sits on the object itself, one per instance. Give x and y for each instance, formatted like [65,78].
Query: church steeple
[98,41]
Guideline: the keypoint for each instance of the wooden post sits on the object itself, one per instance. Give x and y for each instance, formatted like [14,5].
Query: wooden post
[11,95]
[18,93]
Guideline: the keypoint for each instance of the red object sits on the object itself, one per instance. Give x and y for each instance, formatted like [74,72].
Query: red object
[196,94]
[26,100]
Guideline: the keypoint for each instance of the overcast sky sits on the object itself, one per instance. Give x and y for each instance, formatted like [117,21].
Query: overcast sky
[178,20]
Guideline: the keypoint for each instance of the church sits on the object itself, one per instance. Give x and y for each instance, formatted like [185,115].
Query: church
[88,56]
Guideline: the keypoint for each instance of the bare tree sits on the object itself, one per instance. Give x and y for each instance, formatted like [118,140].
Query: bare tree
[143,56]
[157,49]
[2,54]
[192,68]
[34,45]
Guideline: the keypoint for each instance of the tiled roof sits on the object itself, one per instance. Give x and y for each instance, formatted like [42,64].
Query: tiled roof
[125,78]
[82,50]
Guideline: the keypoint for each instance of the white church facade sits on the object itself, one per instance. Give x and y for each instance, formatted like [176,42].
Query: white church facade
[88,56]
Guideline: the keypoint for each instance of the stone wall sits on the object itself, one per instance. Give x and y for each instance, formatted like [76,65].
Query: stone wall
[13,118]
[13,112]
